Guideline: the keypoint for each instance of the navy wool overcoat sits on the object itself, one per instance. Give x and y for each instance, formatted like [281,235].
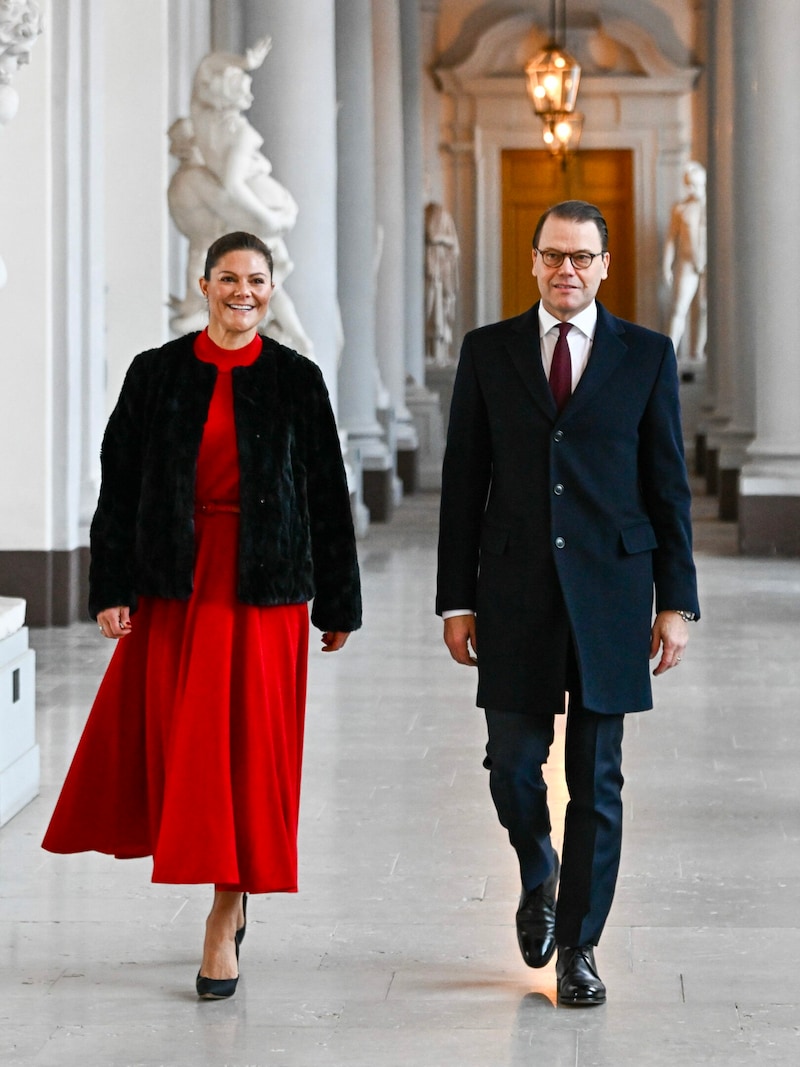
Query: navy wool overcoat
[565,527]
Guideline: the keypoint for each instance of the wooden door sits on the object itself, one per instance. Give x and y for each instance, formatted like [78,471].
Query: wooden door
[533,180]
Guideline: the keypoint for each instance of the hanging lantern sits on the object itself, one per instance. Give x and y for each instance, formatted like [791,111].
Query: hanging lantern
[553,79]
[562,131]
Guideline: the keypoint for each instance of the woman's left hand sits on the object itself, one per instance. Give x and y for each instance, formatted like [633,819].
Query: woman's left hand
[333,640]
[115,622]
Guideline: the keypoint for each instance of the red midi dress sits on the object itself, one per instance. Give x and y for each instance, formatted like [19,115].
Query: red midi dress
[192,752]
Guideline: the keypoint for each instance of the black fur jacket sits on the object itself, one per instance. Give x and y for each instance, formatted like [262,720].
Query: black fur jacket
[296,540]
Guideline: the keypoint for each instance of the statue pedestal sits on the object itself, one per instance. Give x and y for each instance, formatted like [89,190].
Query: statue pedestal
[19,753]
[440,380]
[424,406]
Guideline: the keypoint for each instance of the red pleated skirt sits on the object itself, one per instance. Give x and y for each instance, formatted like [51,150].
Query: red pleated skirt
[192,752]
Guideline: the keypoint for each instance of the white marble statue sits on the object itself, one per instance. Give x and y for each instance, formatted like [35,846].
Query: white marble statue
[685,260]
[224,182]
[20,25]
[441,284]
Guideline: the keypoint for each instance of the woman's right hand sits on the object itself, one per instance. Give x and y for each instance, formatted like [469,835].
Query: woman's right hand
[115,622]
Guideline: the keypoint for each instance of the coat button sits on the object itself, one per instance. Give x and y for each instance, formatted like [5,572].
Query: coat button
[558,489]
[558,435]
[560,542]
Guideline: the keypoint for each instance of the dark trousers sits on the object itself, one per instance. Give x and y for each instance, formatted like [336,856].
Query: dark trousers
[518,747]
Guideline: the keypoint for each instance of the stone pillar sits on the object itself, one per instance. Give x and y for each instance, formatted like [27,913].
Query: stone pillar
[82,210]
[411,82]
[390,206]
[741,300]
[295,112]
[358,373]
[721,238]
[420,468]
[27,445]
[136,222]
[769,490]
[52,403]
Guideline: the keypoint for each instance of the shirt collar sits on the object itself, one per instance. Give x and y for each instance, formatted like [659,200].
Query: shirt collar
[585,321]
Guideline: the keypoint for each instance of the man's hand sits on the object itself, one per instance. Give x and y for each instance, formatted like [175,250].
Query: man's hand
[459,636]
[670,633]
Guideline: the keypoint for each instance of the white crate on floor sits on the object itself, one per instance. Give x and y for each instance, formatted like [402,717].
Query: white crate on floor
[19,752]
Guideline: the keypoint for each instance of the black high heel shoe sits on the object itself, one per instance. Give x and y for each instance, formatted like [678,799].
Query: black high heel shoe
[215,988]
[222,988]
[243,928]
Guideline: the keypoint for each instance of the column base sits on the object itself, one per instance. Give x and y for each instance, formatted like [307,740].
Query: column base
[700,454]
[408,469]
[54,584]
[728,490]
[378,490]
[406,456]
[440,380]
[427,415]
[769,526]
[355,483]
[711,470]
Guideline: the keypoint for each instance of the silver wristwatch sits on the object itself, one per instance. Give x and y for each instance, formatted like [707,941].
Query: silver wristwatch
[687,616]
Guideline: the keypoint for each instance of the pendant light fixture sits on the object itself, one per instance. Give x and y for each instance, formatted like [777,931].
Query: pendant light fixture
[553,79]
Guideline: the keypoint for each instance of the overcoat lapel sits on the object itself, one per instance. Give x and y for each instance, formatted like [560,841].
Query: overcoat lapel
[608,350]
[523,347]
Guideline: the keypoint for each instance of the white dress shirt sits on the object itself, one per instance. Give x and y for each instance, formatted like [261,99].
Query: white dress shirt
[579,339]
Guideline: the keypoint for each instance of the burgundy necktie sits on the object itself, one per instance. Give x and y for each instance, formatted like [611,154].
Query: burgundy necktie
[561,367]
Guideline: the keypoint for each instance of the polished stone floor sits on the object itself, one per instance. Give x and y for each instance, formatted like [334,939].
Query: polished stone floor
[400,947]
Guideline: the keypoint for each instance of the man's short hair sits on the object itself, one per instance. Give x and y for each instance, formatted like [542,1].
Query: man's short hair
[575,211]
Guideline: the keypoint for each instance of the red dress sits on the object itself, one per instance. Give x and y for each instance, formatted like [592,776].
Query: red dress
[192,751]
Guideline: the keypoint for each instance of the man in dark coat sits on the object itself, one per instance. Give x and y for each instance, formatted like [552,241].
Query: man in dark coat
[565,507]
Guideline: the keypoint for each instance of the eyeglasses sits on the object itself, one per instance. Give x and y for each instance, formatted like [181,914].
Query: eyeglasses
[579,260]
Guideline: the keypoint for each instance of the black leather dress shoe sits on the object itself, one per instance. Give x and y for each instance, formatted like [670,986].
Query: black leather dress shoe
[536,921]
[579,983]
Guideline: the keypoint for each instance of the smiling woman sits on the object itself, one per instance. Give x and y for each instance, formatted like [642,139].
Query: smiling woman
[223,511]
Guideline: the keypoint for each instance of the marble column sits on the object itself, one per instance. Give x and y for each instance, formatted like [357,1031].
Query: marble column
[28,441]
[53,400]
[769,488]
[135,78]
[748,189]
[411,83]
[721,246]
[359,379]
[420,468]
[391,332]
[294,110]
